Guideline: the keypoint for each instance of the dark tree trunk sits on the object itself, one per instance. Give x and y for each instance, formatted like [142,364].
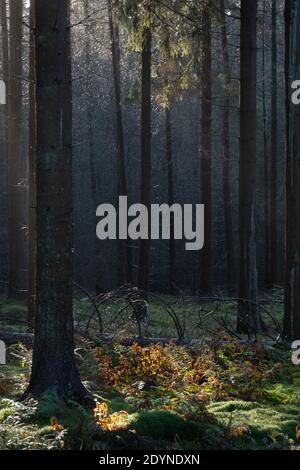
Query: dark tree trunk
[5,63]
[267,264]
[247,319]
[206,274]
[91,144]
[4,156]
[169,161]
[144,254]
[292,72]
[31,181]
[230,252]
[274,150]
[17,186]
[122,184]
[53,363]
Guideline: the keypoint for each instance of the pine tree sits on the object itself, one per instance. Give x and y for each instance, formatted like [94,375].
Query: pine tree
[247,319]
[53,362]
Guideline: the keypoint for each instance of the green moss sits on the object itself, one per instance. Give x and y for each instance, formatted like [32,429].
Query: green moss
[269,411]
[164,425]
[69,414]
[119,404]
[270,425]
[283,394]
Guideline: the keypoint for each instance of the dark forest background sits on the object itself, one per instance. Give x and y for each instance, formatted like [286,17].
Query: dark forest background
[96,145]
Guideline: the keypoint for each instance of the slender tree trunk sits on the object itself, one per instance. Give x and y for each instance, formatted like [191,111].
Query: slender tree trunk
[267,273]
[171,199]
[5,61]
[144,254]
[247,319]
[53,363]
[91,146]
[17,186]
[168,67]
[292,248]
[206,274]
[4,163]
[274,151]
[230,253]
[122,184]
[31,172]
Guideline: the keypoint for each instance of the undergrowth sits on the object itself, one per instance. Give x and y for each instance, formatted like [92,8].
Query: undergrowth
[222,395]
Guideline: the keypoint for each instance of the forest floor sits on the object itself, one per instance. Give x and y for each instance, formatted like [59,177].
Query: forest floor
[219,392]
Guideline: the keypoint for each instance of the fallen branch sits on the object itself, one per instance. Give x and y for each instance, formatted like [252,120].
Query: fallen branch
[27,339]
[14,338]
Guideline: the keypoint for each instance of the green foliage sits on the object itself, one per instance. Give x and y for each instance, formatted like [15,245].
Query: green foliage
[164,425]
[4,413]
[71,417]
[209,410]
[218,394]
[267,426]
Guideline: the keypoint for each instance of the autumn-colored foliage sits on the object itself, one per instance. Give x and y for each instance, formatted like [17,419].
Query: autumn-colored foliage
[54,424]
[110,422]
[216,371]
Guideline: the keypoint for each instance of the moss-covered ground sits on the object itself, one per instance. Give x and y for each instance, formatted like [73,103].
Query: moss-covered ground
[220,393]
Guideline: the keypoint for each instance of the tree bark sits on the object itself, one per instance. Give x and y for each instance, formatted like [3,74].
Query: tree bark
[206,273]
[122,183]
[91,145]
[171,198]
[230,254]
[31,180]
[292,247]
[4,157]
[247,318]
[274,151]
[144,254]
[267,264]
[53,362]
[17,186]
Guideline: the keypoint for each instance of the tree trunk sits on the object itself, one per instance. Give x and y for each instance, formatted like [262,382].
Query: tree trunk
[274,147]
[4,159]
[144,254]
[230,254]
[205,153]
[53,363]
[247,318]
[31,181]
[267,264]
[91,147]
[171,199]
[17,186]
[292,72]
[122,184]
